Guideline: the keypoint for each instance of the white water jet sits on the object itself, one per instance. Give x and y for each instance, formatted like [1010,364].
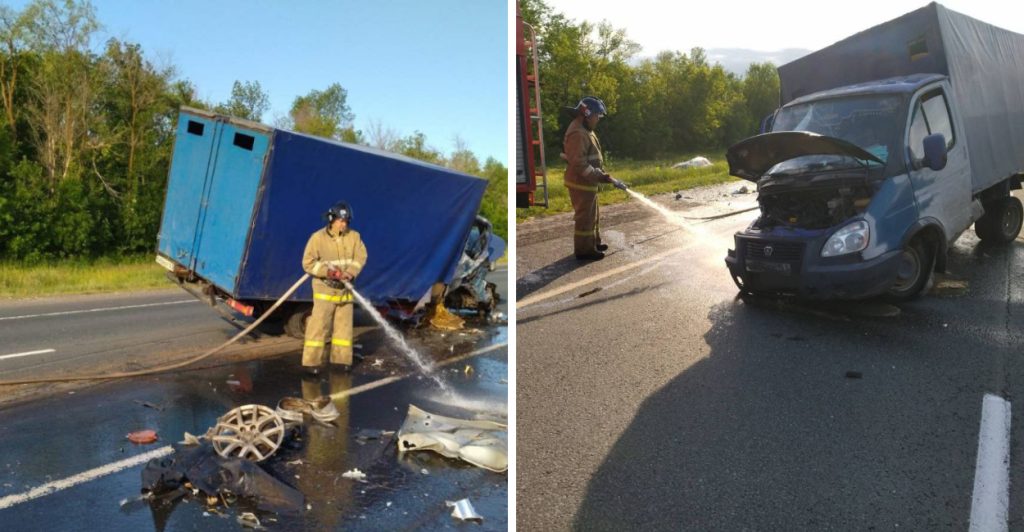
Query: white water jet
[399,341]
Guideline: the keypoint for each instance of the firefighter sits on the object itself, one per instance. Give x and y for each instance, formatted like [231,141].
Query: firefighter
[583,174]
[333,255]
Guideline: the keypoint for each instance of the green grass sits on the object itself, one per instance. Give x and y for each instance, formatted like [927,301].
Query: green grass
[646,177]
[78,277]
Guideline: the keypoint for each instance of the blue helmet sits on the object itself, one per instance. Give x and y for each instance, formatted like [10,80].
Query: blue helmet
[590,105]
[340,210]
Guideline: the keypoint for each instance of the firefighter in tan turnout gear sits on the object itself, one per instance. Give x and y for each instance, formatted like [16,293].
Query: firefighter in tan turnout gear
[583,174]
[333,255]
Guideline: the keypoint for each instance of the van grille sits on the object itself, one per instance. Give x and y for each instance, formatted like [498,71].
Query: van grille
[780,251]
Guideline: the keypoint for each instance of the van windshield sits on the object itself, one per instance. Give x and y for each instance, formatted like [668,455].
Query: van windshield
[870,122]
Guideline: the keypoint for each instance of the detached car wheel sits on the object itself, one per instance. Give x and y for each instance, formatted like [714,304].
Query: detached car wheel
[1002,221]
[913,273]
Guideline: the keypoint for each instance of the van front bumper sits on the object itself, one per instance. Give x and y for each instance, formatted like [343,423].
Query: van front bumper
[800,270]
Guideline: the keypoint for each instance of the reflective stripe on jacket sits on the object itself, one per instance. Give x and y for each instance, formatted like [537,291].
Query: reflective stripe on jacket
[345,251]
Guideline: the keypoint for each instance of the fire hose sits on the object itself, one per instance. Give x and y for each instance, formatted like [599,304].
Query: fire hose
[176,365]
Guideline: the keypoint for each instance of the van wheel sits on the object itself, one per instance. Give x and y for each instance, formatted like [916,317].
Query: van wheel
[914,270]
[295,324]
[1002,221]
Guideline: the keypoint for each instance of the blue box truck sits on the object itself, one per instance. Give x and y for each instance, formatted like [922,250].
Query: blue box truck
[243,199]
[887,147]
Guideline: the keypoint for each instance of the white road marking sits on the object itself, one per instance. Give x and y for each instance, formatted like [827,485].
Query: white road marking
[92,474]
[991,503]
[537,298]
[65,313]
[59,485]
[28,353]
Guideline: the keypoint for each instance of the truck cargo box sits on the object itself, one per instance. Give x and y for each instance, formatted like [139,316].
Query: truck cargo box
[243,199]
[985,66]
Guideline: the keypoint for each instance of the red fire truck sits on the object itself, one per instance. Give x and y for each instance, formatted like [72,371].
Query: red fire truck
[531,170]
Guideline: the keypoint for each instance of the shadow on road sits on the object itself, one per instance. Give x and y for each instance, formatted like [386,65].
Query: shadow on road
[542,277]
[770,432]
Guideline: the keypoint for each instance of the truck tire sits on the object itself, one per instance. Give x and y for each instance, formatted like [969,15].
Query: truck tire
[295,323]
[914,272]
[1002,221]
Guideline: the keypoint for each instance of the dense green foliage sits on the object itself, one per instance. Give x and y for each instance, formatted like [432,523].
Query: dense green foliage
[86,136]
[672,103]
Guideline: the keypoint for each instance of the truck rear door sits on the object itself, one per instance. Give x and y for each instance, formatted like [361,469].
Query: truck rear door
[190,169]
[229,200]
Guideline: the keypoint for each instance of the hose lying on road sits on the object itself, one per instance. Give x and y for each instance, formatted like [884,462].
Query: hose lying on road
[176,365]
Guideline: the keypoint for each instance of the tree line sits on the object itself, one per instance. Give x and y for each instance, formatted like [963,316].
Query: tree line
[668,104]
[86,136]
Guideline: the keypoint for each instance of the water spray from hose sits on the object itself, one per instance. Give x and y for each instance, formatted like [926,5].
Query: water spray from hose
[392,333]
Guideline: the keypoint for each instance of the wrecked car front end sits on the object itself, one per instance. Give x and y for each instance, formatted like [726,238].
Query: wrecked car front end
[825,205]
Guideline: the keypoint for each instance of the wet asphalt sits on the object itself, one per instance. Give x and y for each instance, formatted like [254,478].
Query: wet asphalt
[655,398]
[56,436]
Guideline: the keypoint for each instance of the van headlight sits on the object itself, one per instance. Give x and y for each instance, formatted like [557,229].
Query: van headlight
[851,238]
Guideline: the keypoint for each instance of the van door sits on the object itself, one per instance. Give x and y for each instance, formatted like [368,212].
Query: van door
[944,195]
[229,201]
[190,171]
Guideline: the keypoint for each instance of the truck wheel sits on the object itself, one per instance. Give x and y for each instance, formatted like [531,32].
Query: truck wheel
[913,273]
[1002,221]
[295,324]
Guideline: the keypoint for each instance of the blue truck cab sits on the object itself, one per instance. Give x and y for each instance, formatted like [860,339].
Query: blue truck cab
[888,146]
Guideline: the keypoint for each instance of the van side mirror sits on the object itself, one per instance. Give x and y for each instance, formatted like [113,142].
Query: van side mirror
[935,151]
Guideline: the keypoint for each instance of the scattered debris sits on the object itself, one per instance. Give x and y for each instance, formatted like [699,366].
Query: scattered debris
[696,162]
[142,436]
[679,197]
[742,190]
[440,318]
[147,404]
[590,292]
[377,363]
[463,511]
[191,470]
[468,370]
[253,432]
[424,471]
[354,474]
[189,440]
[481,443]
[854,375]
[249,519]
[295,462]
[321,409]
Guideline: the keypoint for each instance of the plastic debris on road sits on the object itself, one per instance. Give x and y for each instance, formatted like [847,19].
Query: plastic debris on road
[142,436]
[354,474]
[479,442]
[249,520]
[321,409]
[463,510]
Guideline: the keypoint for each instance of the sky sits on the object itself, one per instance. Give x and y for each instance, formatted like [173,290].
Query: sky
[764,25]
[439,67]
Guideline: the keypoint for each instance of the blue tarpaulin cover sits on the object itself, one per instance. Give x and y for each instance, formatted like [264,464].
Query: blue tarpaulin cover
[414,217]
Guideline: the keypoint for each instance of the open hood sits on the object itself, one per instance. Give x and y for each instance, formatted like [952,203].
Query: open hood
[751,158]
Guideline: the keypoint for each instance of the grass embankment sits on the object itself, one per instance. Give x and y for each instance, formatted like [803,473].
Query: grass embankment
[646,177]
[79,277]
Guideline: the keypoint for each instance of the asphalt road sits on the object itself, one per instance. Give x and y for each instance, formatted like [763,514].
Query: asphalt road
[58,435]
[650,396]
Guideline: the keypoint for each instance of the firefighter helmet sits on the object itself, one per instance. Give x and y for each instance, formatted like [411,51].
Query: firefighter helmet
[590,105]
[341,210]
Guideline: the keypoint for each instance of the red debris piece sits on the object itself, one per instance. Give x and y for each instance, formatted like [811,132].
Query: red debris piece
[142,436]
